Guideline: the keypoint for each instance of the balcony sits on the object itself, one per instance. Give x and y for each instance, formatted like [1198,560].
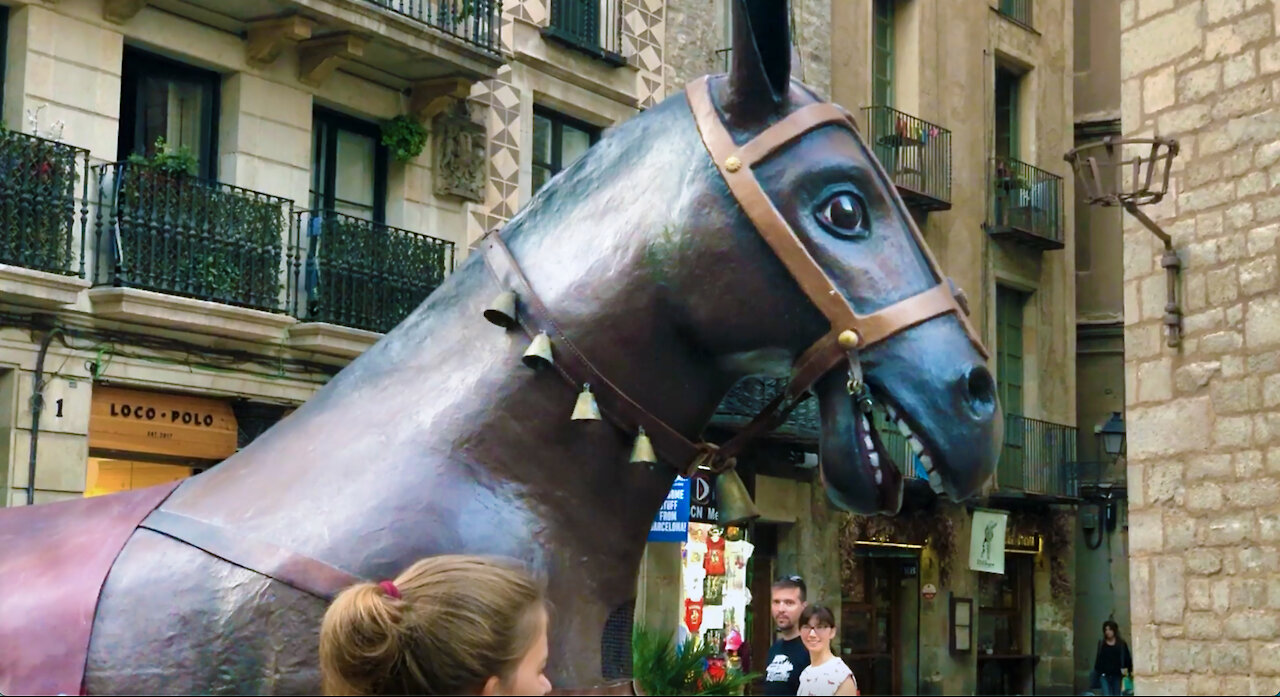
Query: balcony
[1018,11]
[1038,460]
[915,153]
[362,275]
[161,235]
[1025,205]
[409,40]
[593,27]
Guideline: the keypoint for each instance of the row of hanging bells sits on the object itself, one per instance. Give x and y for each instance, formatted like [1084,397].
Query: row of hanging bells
[734,504]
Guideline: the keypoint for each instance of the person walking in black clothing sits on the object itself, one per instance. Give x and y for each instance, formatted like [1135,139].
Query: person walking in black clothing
[1113,662]
[788,656]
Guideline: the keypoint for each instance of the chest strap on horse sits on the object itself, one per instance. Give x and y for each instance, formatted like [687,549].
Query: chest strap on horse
[308,575]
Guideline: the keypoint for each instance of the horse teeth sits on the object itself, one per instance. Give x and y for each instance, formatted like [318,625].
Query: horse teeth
[893,414]
[875,459]
[916,446]
[879,476]
[903,428]
[866,440]
[935,482]
[927,462]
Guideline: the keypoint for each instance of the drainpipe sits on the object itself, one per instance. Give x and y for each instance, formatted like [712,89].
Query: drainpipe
[37,405]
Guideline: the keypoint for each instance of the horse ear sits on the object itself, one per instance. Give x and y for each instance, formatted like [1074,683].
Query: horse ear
[760,76]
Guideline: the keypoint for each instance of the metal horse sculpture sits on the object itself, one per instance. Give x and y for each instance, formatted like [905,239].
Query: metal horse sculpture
[739,228]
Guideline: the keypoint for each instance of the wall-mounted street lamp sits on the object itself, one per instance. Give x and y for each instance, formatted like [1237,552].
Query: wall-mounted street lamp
[1110,435]
[1111,179]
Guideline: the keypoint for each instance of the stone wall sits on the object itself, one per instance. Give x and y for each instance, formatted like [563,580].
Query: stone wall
[1204,419]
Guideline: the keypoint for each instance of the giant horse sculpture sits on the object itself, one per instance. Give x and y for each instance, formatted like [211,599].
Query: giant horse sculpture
[741,227]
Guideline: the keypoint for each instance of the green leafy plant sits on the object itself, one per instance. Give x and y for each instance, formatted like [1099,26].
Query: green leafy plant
[405,137]
[178,160]
[663,668]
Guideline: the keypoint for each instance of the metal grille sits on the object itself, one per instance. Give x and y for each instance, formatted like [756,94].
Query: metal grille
[1025,198]
[594,26]
[1017,10]
[177,234]
[361,274]
[1038,458]
[915,153]
[473,21]
[615,643]
[38,183]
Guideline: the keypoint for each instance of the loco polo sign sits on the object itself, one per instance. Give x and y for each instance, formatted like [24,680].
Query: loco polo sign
[986,544]
[133,421]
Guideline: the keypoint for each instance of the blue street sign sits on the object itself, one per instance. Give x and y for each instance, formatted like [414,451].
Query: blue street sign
[672,522]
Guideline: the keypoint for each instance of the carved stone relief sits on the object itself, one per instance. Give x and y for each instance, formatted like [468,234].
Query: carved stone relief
[459,154]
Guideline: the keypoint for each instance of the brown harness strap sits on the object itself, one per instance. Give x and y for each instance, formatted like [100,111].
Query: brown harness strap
[290,568]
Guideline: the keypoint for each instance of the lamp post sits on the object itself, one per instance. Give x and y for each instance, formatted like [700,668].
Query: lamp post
[1111,436]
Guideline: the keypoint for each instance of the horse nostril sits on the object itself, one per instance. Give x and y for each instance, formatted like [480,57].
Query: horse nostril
[980,391]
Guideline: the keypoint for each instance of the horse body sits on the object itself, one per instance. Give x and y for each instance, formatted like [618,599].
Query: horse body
[439,440]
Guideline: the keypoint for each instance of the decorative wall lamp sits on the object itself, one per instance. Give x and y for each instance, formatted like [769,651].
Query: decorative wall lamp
[1110,435]
[1111,179]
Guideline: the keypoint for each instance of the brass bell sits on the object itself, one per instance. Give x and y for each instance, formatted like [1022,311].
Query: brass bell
[502,311]
[642,451]
[733,504]
[538,355]
[586,409]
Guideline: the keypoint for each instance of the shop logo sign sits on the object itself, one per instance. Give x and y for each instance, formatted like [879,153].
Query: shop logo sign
[672,522]
[986,544]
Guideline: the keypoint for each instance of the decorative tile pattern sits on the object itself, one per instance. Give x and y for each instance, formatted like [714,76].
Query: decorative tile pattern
[643,30]
[499,101]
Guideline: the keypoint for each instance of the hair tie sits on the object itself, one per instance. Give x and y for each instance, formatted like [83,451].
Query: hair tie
[390,589]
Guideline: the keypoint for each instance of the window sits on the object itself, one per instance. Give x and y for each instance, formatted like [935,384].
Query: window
[1007,121]
[882,54]
[557,142]
[348,167]
[160,98]
[1009,377]
[1005,606]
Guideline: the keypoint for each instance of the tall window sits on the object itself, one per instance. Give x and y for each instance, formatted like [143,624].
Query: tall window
[348,167]
[1009,378]
[882,54]
[1007,117]
[557,142]
[1005,604]
[160,98]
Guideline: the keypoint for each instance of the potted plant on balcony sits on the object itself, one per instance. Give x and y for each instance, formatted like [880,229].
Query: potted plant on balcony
[37,201]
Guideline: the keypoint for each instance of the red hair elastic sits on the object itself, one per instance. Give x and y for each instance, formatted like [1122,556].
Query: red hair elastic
[390,589]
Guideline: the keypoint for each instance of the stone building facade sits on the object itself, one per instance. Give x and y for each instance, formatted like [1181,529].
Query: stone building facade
[1203,419]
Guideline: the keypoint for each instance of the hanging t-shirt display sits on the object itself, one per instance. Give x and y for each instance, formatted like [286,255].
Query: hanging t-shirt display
[713,590]
[715,553]
[693,615]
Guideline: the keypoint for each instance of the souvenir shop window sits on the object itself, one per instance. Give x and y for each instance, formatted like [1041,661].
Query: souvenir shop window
[1004,612]
[716,593]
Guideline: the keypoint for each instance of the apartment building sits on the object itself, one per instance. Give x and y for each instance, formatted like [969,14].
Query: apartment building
[210,207]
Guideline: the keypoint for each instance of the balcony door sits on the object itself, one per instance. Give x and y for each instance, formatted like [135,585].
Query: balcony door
[1009,379]
[161,98]
[348,167]
[1008,120]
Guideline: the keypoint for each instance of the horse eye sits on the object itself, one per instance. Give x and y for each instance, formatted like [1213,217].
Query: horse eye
[843,215]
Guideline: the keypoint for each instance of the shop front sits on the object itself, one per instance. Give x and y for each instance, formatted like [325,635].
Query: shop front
[141,438]
[880,614]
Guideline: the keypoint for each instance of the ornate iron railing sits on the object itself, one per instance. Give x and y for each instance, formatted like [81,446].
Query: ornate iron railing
[38,186]
[174,233]
[915,153]
[1025,200]
[473,21]
[1038,457]
[1017,10]
[361,274]
[593,26]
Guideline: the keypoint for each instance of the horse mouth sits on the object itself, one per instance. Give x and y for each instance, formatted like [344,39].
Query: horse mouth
[860,473]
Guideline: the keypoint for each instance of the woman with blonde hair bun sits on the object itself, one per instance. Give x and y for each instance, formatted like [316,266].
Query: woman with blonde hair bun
[448,625]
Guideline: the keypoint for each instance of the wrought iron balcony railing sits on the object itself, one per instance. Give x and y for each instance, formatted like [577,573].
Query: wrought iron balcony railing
[174,233]
[1038,458]
[915,153]
[1017,10]
[360,274]
[39,182]
[1025,205]
[592,26]
[474,21]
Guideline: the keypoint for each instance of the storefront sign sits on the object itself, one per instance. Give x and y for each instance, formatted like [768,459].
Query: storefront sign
[986,544]
[702,509]
[929,591]
[672,522]
[133,421]
[1023,542]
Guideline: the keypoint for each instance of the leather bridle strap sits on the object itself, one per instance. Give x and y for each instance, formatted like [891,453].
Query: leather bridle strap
[735,163]
[614,404]
[308,575]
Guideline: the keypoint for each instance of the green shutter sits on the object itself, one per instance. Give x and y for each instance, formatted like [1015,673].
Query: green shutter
[1007,117]
[882,54]
[1009,377]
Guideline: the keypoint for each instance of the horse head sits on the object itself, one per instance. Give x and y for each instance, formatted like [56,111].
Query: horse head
[731,295]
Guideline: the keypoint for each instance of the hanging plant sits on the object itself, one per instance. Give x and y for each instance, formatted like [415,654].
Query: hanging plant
[405,137]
